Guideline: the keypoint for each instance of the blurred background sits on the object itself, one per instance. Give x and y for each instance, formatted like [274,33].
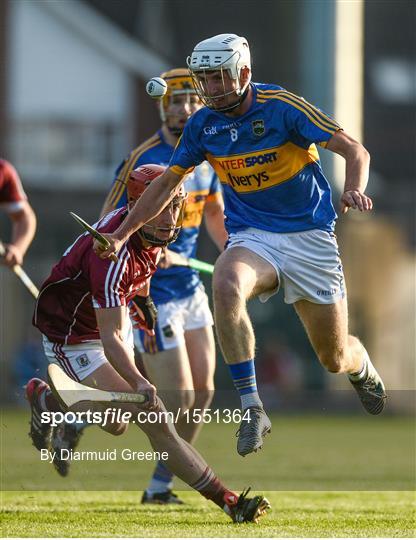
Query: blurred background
[73,104]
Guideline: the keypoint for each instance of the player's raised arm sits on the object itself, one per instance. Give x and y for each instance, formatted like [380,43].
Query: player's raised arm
[151,203]
[357,161]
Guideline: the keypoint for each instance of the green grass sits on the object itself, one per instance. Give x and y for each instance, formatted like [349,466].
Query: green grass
[325,477]
[293,514]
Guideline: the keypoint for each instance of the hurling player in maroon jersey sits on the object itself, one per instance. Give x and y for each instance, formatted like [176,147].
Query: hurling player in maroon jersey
[82,312]
[13,201]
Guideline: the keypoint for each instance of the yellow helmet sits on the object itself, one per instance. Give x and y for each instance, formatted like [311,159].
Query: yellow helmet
[179,81]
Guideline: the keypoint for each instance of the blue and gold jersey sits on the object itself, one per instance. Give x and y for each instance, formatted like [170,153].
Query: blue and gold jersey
[201,184]
[266,160]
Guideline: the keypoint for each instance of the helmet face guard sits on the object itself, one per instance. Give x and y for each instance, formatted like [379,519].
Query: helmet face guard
[233,97]
[224,53]
[163,236]
[179,83]
[156,235]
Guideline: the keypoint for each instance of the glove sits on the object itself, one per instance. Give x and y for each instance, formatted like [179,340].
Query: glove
[143,313]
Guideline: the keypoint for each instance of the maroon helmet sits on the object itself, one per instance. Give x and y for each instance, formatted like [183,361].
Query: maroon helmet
[139,180]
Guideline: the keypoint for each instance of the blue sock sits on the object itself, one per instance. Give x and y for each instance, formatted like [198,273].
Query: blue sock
[244,378]
[161,480]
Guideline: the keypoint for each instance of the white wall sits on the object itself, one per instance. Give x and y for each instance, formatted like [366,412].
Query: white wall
[69,101]
[54,72]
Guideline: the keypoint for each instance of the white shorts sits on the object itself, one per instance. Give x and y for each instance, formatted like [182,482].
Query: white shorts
[174,318]
[79,361]
[307,263]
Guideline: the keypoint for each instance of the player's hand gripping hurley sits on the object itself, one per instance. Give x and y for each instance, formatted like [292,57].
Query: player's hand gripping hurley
[95,234]
[70,393]
[21,274]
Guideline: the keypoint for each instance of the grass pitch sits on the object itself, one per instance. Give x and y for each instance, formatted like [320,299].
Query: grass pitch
[324,476]
[293,514]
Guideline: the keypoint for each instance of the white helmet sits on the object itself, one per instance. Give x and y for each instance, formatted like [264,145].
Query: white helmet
[223,52]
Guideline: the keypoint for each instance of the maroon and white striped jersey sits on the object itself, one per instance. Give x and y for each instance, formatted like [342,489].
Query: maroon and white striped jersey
[12,195]
[81,281]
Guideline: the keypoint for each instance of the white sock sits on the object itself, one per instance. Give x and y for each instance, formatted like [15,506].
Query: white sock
[358,375]
[158,486]
[251,400]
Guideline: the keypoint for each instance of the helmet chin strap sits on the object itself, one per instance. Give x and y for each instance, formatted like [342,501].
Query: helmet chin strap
[177,132]
[228,108]
[153,241]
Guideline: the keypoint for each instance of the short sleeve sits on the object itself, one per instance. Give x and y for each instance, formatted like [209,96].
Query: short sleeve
[305,123]
[215,191]
[188,152]
[109,284]
[12,194]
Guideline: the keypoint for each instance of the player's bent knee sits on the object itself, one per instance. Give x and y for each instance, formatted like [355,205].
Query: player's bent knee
[228,290]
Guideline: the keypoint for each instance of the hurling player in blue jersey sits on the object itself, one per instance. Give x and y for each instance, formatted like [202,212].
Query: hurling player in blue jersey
[180,358]
[261,140]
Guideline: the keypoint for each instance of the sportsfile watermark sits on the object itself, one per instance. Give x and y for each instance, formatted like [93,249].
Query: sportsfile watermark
[114,454]
[113,415]
[318,442]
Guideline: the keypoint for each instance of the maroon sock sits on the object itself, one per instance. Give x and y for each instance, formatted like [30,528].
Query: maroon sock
[211,487]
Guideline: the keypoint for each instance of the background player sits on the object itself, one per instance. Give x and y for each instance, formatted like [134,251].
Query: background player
[82,314]
[13,201]
[260,139]
[180,358]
